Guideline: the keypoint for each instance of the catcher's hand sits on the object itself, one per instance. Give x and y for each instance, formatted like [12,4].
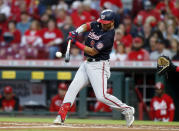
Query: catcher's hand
[164,64]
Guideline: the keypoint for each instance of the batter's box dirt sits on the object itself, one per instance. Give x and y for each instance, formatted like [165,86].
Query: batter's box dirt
[20,126]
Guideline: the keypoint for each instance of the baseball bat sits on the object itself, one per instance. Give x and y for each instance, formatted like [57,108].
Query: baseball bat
[67,55]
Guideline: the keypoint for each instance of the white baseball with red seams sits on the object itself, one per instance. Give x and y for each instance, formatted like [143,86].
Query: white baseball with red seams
[58,54]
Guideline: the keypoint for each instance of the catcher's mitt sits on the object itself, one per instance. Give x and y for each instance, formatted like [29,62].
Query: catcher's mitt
[164,65]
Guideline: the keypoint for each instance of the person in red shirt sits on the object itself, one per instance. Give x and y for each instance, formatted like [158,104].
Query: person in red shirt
[11,40]
[17,6]
[32,36]
[115,5]
[99,106]
[52,37]
[125,39]
[87,7]
[12,35]
[58,99]
[138,53]
[9,102]
[161,106]
[61,16]
[148,14]
[17,2]
[136,7]
[3,26]
[173,7]
[127,21]
[31,40]
[161,6]
[79,16]
[29,6]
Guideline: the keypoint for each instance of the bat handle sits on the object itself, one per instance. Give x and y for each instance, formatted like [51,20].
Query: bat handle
[67,55]
[69,44]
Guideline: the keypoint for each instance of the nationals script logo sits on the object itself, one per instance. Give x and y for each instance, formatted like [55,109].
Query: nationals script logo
[92,35]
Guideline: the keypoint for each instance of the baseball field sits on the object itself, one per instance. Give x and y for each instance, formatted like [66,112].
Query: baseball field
[45,124]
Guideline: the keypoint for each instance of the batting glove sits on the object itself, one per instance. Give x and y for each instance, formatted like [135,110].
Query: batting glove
[73,34]
[73,41]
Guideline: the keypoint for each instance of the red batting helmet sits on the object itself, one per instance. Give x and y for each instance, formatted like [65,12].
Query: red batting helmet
[8,89]
[159,85]
[62,86]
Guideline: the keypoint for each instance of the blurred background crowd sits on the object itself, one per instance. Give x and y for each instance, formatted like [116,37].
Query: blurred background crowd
[37,29]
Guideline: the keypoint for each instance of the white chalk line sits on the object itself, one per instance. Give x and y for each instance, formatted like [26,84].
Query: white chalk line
[74,126]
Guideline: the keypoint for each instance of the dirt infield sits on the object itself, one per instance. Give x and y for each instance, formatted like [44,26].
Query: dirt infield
[6,126]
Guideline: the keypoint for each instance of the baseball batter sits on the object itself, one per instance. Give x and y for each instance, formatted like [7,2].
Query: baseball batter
[96,68]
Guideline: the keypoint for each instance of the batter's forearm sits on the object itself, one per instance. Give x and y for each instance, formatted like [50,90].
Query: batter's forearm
[88,50]
[83,28]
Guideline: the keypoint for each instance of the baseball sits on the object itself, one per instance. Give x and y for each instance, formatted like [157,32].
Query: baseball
[58,54]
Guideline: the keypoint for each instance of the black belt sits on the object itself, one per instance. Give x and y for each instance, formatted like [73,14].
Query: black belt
[93,60]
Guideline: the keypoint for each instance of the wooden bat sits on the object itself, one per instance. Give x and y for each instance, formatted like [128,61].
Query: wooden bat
[67,55]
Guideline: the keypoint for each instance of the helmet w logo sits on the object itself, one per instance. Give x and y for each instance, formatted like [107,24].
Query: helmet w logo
[102,16]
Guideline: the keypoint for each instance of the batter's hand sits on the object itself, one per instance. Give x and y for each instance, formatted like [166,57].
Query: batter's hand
[73,41]
[73,34]
[164,64]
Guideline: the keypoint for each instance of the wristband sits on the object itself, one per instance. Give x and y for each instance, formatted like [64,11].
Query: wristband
[88,26]
[80,45]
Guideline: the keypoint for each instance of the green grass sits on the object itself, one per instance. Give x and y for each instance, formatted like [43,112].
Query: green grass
[82,121]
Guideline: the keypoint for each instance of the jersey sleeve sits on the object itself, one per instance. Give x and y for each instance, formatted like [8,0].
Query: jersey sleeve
[171,104]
